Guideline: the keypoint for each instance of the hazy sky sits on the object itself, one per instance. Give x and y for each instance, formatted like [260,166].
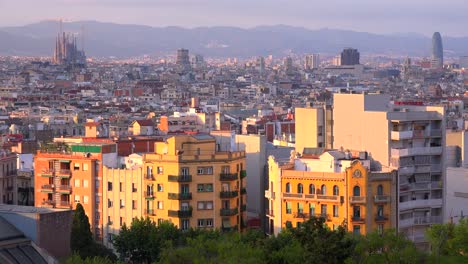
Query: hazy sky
[450,17]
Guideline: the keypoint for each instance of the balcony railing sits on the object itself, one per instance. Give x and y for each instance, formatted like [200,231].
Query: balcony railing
[180,213]
[357,218]
[179,196]
[149,177]
[149,195]
[63,173]
[63,188]
[292,195]
[399,135]
[48,173]
[269,194]
[229,194]
[150,212]
[420,203]
[301,215]
[47,188]
[229,212]
[420,220]
[323,215]
[357,199]
[48,202]
[243,208]
[329,198]
[382,217]
[382,198]
[228,176]
[243,191]
[179,178]
[63,204]
[269,212]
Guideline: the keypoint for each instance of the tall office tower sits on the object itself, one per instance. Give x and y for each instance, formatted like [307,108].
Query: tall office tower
[66,51]
[463,62]
[312,61]
[405,137]
[260,64]
[288,64]
[183,58]
[349,56]
[65,177]
[437,61]
[190,183]
[198,61]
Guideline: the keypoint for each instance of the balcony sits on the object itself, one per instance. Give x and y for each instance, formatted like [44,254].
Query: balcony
[269,194]
[416,151]
[269,213]
[63,173]
[399,135]
[48,203]
[180,213]
[420,220]
[47,188]
[229,212]
[48,173]
[179,196]
[66,189]
[149,177]
[420,203]
[357,219]
[150,212]
[301,215]
[357,199]
[328,198]
[323,215]
[179,178]
[228,176]
[229,194]
[292,195]
[63,204]
[243,191]
[382,198]
[436,133]
[381,218]
[149,195]
[243,174]
[243,208]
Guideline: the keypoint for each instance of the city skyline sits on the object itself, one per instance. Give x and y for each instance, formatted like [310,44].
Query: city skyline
[388,18]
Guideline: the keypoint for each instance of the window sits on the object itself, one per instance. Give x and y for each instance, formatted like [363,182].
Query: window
[336,190]
[204,170]
[288,224]
[120,187]
[209,222]
[109,203]
[298,224]
[300,208]
[380,210]
[134,189]
[85,199]
[300,188]
[199,170]
[134,204]
[160,170]
[357,191]
[201,222]
[311,189]
[226,169]
[85,166]
[380,189]
[206,187]
[109,186]
[312,209]
[335,210]
[77,198]
[357,211]
[122,203]
[98,215]
[121,221]
[98,199]
[185,224]
[160,188]
[357,230]
[288,187]
[85,183]
[160,205]
[323,189]
[76,166]
[185,171]
[288,208]
[205,205]
[323,210]
[77,183]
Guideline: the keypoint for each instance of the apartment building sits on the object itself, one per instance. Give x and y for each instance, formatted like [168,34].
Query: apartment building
[122,199]
[313,128]
[335,185]
[408,138]
[67,175]
[190,183]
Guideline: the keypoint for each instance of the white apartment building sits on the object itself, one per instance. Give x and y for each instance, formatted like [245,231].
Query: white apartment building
[408,138]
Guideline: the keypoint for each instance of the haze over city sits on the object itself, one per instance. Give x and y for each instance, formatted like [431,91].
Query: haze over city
[397,16]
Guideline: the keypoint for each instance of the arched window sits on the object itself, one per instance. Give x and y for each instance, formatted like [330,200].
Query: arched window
[300,188]
[311,189]
[380,189]
[288,187]
[357,191]
[323,189]
[336,190]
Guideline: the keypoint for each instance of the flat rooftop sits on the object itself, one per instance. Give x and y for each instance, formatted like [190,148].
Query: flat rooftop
[9,208]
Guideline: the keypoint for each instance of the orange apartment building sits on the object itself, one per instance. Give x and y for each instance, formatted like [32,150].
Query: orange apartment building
[73,174]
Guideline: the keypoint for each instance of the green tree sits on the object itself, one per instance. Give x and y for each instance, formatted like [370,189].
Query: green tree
[322,245]
[440,237]
[283,249]
[389,247]
[460,240]
[76,259]
[81,236]
[143,241]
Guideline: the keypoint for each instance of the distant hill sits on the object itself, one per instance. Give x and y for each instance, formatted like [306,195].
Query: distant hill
[109,39]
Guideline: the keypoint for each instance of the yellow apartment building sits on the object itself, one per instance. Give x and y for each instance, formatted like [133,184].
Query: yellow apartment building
[188,182]
[335,185]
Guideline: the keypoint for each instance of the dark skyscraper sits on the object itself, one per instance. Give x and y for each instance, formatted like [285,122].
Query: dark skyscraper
[350,56]
[437,51]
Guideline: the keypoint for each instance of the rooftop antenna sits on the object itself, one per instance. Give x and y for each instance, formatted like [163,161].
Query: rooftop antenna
[61,26]
[82,37]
